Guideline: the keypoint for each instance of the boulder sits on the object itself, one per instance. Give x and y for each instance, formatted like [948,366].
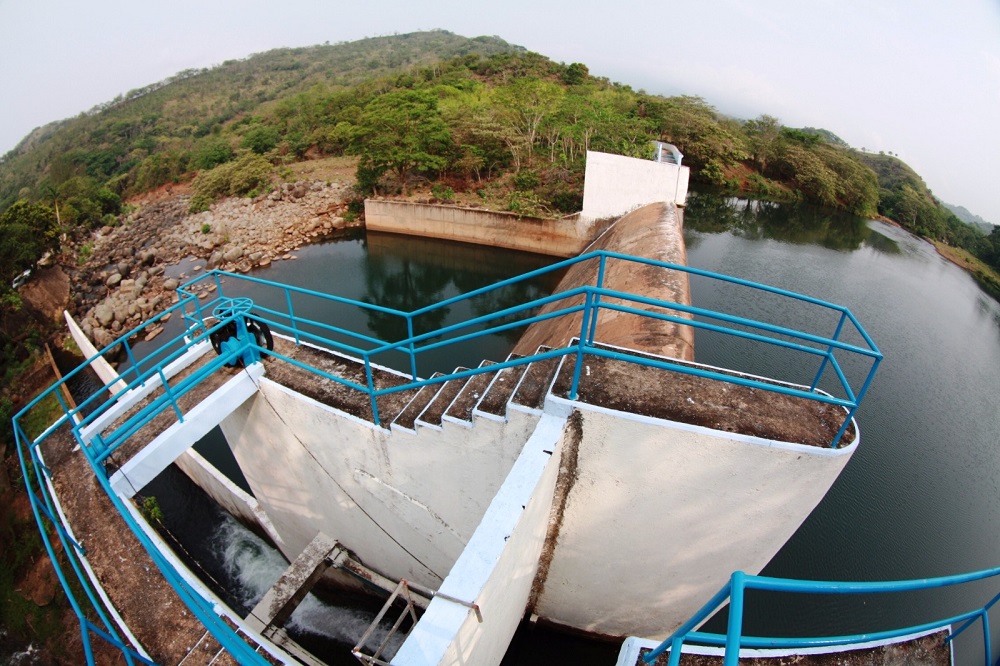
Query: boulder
[102,338]
[170,284]
[234,254]
[113,280]
[104,313]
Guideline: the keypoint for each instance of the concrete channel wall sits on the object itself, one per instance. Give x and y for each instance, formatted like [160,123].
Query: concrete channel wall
[405,504]
[564,237]
[497,568]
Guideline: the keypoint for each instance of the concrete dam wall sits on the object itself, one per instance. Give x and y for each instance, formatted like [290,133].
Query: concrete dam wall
[564,237]
[654,232]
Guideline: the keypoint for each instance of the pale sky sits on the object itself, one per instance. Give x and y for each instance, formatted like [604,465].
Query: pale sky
[920,78]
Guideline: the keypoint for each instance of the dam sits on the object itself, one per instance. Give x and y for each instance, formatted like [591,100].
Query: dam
[536,495]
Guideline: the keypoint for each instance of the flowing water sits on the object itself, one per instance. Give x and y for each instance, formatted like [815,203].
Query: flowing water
[920,496]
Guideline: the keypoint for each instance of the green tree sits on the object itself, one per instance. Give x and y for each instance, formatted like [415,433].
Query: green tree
[26,231]
[261,139]
[763,133]
[521,108]
[402,132]
[211,153]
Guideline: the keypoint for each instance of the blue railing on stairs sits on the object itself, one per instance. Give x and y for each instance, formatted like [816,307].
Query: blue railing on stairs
[91,421]
[587,299]
[734,591]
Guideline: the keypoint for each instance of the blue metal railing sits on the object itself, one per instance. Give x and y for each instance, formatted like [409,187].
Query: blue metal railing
[588,299]
[91,426]
[734,591]
[37,476]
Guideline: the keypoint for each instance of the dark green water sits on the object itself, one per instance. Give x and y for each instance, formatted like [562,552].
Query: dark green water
[920,496]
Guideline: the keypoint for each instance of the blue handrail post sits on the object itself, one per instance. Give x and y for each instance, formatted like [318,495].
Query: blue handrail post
[829,352]
[131,356]
[597,299]
[580,344]
[857,401]
[371,388]
[676,646]
[734,629]
[88,651]
[197,309]
[986,636]
[291,315]
[170,395]
[413,355]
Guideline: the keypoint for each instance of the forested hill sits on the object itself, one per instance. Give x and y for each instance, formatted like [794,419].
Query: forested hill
[455,116]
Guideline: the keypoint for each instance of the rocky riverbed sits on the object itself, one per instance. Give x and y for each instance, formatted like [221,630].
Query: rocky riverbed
[123,280]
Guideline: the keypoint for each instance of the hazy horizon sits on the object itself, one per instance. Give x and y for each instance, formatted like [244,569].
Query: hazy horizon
[918,79]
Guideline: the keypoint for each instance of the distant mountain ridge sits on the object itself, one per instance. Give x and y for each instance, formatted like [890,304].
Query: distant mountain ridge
[963,213]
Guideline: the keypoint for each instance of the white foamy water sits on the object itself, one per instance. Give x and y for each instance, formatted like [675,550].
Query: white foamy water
[253,565]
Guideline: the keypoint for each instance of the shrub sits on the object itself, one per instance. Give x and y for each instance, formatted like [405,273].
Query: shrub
[211,154]
[249,173]
[261,139]
[443,192]
[526,180]
[206,228]
[85,251]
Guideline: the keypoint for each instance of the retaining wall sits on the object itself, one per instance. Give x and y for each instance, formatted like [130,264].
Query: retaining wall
[615,184]
[405,504]
[659,515]
[564,237]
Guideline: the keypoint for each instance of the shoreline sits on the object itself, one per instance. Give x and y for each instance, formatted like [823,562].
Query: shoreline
[985,276]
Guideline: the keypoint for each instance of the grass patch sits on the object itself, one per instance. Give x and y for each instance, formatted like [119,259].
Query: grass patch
[985,275]
[42,415]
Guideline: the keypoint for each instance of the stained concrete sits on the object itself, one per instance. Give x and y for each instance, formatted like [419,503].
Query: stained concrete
[654,232]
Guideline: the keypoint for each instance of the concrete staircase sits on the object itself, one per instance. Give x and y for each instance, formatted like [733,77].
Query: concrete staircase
[488,395]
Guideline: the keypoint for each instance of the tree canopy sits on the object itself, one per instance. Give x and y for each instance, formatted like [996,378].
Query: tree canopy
[460,115]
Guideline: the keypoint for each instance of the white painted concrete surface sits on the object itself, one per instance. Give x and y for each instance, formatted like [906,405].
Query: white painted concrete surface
[658,518]
[145,465]
[615,184]
[103,369]
[405,504]
[496,569]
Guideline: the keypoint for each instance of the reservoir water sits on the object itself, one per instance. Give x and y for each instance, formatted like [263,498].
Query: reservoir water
[919,498]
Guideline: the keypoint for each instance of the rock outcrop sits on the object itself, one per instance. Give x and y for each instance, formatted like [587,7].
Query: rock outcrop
[125,279]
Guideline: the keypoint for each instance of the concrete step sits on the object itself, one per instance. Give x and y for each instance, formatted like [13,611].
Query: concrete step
[408,417]
[460,410]
[433,413]
[535,383]
[494,402]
